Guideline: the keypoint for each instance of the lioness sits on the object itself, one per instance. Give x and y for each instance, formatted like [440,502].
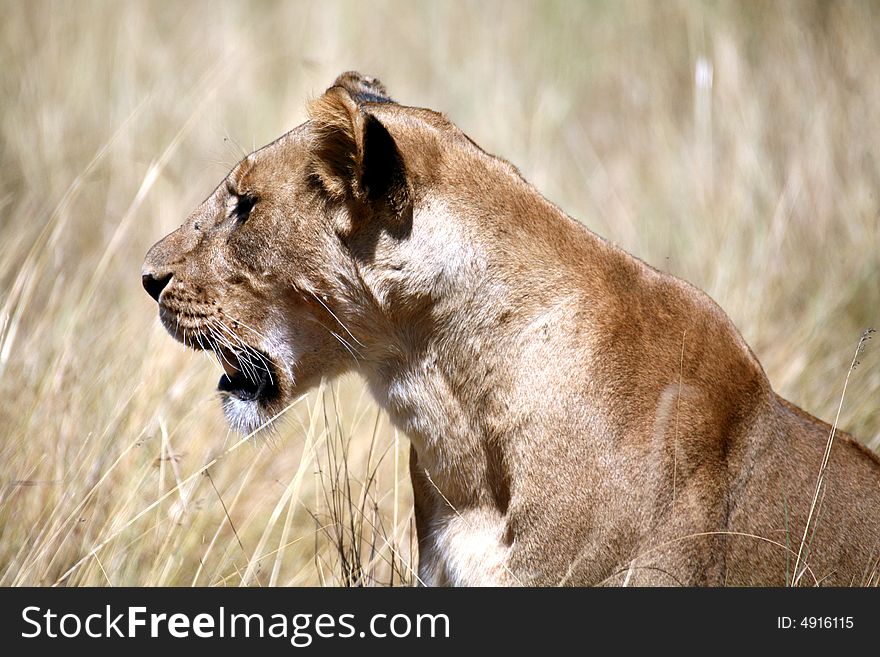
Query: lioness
[576,416]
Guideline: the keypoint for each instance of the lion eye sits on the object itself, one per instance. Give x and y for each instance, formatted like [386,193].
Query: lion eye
[241,207]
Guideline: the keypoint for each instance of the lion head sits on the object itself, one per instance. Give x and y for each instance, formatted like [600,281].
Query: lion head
[301,264]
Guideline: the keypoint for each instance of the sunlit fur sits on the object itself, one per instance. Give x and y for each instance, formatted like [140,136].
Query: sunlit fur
[576,416]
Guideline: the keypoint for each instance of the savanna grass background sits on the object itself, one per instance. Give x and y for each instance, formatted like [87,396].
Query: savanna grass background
[734,144]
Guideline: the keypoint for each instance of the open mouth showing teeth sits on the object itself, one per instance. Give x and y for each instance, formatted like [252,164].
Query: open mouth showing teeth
[247,374]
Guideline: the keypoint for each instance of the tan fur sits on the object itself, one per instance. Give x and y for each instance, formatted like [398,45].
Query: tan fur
[576,416]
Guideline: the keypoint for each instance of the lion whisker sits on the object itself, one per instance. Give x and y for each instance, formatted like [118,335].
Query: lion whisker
[236,345]
[245,365]
[348,347]
[338,321]
[216,348]
[238,322]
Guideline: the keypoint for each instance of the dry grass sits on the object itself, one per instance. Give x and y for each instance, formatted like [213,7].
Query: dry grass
[734,144]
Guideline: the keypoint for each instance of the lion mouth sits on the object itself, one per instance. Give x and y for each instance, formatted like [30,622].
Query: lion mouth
[250,386]
[248,374]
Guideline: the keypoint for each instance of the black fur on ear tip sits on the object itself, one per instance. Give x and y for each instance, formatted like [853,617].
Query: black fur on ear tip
[362,88]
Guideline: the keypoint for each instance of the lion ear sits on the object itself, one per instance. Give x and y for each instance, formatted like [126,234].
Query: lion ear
[355,157]
[338,152]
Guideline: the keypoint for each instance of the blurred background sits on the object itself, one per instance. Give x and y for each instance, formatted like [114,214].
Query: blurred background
[734,144]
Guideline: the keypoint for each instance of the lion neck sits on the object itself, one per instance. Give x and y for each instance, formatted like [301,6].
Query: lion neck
[486,331]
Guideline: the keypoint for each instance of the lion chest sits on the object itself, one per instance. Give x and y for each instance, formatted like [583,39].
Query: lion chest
[465,549]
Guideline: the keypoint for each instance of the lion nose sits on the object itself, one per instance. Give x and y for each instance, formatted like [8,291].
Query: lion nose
[154,284]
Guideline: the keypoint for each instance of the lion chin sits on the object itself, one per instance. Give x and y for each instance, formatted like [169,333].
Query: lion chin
[248,387]
[246,416]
